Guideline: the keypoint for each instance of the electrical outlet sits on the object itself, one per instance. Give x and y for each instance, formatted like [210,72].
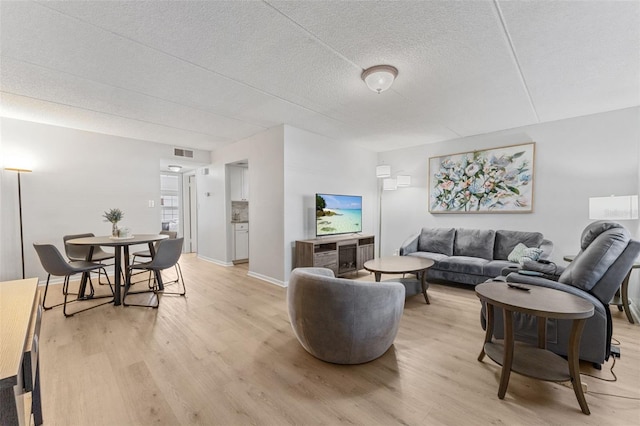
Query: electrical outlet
[152,203]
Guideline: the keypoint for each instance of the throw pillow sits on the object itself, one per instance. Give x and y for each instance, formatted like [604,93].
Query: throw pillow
[521,253]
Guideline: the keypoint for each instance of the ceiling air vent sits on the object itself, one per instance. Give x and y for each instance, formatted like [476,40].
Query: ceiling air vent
[180,152]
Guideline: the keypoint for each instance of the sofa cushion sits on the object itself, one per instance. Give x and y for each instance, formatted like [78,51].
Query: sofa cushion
[474,243]
[463,264]
[436,257]
[437,240]
[507,240]
[494,268]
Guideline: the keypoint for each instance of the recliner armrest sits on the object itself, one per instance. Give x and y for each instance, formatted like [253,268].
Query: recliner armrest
[543,282]
[551,270]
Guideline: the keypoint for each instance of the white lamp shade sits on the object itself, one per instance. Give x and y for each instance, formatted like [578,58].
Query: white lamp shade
[403,180]
[380,77]
[614,208]
[389,185]
[383,171]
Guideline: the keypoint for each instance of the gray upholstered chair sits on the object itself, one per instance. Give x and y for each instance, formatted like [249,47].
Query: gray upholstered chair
[167,256]
[343,321]
[80,252]
[146,254]
[606,255]
[54,264]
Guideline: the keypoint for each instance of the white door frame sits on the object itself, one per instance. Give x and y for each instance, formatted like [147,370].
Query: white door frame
[190,213]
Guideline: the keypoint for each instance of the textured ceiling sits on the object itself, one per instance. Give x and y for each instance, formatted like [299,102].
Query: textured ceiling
[203,74]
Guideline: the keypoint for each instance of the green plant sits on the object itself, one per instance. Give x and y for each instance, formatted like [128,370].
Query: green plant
[113,215]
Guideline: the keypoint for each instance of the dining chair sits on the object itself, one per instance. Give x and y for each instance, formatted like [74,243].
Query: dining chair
[78,252]
[167,255]
[54,264]
[147,255]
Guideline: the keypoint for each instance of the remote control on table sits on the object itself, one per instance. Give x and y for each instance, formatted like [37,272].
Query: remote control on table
[518,287]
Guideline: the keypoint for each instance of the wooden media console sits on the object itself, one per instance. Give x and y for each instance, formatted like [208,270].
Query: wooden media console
[342,254]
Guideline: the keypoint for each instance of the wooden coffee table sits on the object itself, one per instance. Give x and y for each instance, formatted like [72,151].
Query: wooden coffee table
[536,362]
[401,265]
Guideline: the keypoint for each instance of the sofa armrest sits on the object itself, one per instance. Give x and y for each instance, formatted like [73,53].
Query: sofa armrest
[410,245]
[547,249]
[543,282]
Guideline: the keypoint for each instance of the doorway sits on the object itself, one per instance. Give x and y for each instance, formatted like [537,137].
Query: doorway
[179,208]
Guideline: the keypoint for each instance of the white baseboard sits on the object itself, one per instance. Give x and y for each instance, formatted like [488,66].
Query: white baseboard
[267,279]
[215,261]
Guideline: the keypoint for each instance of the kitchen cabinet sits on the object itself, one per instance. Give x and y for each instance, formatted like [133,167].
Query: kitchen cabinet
[241,242]
[239,183]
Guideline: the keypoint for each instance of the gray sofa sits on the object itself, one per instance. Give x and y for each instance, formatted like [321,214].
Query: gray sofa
[470,256]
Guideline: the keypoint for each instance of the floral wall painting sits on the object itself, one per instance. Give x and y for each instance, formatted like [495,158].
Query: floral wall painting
[497,180]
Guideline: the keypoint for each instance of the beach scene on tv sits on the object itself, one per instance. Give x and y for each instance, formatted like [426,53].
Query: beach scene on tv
[338,214]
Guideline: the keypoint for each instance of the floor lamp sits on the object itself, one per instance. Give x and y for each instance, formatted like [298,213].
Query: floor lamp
[383,172]
[19,171]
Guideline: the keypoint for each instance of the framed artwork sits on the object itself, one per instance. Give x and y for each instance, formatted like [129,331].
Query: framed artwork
[496,180]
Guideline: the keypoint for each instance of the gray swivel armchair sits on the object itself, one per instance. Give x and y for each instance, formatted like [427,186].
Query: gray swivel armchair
[343,321]
[606,256]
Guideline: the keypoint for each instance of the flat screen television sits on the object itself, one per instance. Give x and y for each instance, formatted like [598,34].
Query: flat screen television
[338,214]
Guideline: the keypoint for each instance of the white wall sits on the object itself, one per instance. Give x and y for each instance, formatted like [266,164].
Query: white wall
[634,281]
[577,158]
[287,166]
[77,175]
[314,163]
[265,152]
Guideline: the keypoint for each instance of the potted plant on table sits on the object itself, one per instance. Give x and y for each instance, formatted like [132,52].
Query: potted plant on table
[114,216]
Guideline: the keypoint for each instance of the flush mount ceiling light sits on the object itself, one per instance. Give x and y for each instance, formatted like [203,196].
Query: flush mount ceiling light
[175,169]
[380,77]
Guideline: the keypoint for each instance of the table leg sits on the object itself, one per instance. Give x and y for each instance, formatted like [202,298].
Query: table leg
[117,272]
[542,332]
[574,362]
[624,290]
[507,356]
[489,332]
[378,275]
[85,276]
[423,283]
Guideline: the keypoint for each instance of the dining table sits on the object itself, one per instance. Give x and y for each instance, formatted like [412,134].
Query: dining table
[121,252]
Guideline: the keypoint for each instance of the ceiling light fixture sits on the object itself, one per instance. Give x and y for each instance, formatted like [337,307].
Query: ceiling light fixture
[380,77]
[174,168]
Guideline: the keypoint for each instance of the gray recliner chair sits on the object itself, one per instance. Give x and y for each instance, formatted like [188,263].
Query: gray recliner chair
[606,256]
[343,321]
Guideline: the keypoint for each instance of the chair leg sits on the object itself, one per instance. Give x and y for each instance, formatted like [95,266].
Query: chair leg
[66,284]
[179,279]
[127,292]
[44,298]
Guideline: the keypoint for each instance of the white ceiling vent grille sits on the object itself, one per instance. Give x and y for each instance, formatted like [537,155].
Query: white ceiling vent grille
[181,152]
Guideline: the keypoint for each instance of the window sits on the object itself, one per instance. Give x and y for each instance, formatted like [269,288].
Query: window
[170,202]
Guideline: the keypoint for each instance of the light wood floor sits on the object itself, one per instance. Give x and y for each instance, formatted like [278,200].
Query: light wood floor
[226,355]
